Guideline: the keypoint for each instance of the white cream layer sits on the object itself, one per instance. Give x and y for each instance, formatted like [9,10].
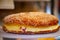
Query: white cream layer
[16,27]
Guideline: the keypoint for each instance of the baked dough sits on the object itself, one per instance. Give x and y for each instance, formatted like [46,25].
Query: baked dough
[30,22]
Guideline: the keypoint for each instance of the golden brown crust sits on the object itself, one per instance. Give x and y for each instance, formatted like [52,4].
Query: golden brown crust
[30,32]
[32,18]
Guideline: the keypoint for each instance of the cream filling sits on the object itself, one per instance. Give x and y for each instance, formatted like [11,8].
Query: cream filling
[16,27]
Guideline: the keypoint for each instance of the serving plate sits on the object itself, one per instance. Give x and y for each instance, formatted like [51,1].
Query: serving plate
[10,35]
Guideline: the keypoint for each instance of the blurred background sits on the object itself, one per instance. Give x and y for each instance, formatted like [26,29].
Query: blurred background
[16,6]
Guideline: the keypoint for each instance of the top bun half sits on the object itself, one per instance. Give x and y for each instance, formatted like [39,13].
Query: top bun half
[31,19]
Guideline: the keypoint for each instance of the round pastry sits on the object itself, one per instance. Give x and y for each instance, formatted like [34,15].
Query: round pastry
[30,23]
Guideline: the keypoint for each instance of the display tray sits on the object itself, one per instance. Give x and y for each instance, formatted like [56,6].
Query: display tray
[10,35]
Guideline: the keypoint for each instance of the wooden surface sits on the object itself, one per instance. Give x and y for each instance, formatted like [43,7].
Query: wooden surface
[46,39]
[38,39]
